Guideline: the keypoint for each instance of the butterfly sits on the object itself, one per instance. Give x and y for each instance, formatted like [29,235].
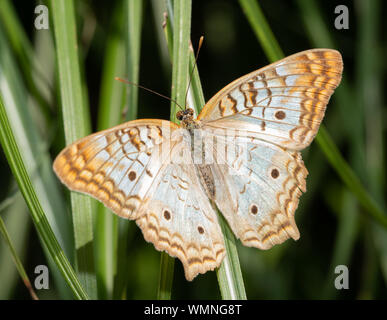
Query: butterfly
[249,134]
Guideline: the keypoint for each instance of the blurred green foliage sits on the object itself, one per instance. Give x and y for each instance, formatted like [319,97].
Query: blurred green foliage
[334,229]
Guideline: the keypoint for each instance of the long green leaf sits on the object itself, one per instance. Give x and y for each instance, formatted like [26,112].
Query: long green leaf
[180,56]
[17,260]
[18,168]
[320,36]
[30,65]
[181,36]
[370,92]
[112,100]
[229,274]
[76,126]
[14,212]
[262,29]
[25,125]
[348,218]
[133,46]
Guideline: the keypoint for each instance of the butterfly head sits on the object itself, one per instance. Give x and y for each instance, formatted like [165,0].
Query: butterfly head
[185,116]
[187,120]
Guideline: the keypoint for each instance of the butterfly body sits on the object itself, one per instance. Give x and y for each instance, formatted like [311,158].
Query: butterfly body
[204,171]
[241,153]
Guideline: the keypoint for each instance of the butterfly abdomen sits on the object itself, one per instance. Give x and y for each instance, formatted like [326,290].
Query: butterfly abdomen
[207,180]
[199,158]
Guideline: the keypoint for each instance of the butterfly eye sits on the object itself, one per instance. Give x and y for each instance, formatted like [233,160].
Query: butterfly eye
[179,115]
[200,230]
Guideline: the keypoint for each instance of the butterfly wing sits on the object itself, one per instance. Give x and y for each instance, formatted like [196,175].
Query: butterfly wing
[282,103]
[180,220]
[129,169]
[270,115]
[258,186]
[116,166]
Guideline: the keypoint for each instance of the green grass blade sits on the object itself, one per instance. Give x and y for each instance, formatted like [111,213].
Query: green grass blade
[320,36]
[167,266]
[112,101]
[159,10]
[180,62]
[349,178]
[14,212]
[167,263]
[364,106]
[34,148]
[180,56]
[127,231]
[17,261]
[347,231]
[323,139]
[43,228]
[229,273]
[133,46]
[133,15]
[76,126]
[369,89]
[112,91]
[30,65]
[370,92]
[195,93]
[262,29]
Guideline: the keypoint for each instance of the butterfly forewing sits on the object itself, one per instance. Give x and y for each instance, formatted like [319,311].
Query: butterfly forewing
[129,168]
[116,166]
[282,103]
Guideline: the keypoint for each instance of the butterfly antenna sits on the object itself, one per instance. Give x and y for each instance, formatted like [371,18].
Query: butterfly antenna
[150,90]
[193,69]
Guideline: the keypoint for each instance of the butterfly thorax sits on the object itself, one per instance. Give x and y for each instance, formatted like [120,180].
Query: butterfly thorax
[197,146]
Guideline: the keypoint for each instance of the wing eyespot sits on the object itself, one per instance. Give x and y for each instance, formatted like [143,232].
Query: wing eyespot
[167,215]
[280,115]
[274,173]
[132,175]
[253,209]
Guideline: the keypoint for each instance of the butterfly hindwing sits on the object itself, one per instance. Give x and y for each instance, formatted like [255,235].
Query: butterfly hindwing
[258,186]
[179,219]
